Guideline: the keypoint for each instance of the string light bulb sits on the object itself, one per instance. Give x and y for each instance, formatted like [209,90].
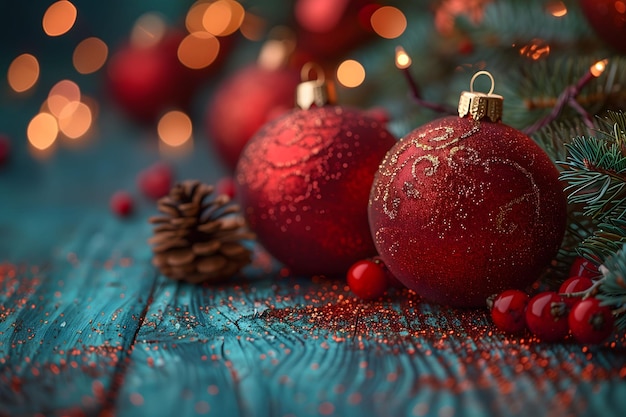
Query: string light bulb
[598,68]
[403,60]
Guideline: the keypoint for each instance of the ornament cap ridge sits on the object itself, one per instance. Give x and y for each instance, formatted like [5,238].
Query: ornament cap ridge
[481,105]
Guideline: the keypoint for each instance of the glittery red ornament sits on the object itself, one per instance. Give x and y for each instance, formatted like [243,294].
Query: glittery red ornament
[608,19]
[303,182]
[246,101]
[462,208]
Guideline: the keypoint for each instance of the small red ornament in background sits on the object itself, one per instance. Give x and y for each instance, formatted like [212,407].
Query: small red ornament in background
[582,267]
[155,181]
[574,285]
[508,311]
[303,182]
[121,203]
[590,322]
[367,279]
[329,28]
[147,80]
[250,98]
[463,208]
[5,149]
[608,19]
[546,317]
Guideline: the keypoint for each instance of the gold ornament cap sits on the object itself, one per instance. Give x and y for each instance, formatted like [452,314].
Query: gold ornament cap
[316,91]
[481,105]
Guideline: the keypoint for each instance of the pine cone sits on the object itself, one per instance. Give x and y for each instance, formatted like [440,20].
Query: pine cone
[197,241]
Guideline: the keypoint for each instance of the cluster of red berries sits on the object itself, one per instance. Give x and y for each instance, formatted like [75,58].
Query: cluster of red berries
[551,316]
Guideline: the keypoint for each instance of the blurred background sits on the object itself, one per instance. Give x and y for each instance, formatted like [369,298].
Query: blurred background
[95,93]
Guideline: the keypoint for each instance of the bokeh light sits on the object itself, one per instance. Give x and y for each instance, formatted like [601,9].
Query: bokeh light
[75,120]
[59,18]
[148,30]
[223,17]
[174,128]
[253,27]
[556,8]
[536,49]
[90,55]
[350,73]
[403,60]
[42,131]
[62,94]
[193,19]
[23,73]
[388,22]
[198,50]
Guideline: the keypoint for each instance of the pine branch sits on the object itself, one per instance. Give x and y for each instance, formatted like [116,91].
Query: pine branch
[609,238]
[612,287]
[509,22]
[534,91]
[553,138]
[596,174]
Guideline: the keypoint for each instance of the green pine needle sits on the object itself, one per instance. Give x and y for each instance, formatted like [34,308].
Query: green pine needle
[612,289]
[595,170]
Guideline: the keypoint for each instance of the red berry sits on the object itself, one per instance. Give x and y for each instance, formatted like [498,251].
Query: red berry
[121,203]
[226,186]
[590,322]
[584,268]
[574,285]
[5,149]
[508,311]
[367,279]
[546,316]
[155,181]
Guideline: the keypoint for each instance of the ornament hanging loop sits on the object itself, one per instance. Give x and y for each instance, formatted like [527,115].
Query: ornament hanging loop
[480,105]
[312,92]
[478,74]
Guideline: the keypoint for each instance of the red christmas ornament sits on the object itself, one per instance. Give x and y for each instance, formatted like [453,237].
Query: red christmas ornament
[249,99]
[328,28]
[146,81]
[463,207]
[608,19]
[303,181]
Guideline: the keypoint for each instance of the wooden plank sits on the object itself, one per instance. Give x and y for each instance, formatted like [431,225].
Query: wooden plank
[67,326]
[276,346]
